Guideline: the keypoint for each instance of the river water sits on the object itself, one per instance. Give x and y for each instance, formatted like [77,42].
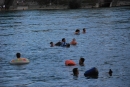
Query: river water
[106,45]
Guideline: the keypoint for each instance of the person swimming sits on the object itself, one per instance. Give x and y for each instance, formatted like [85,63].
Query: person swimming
[19,60]
[52,44]
[63,43]
[81,61]
[75,72]
[110,72]
[77,32]
[84,30]
[18,55]
[73,42]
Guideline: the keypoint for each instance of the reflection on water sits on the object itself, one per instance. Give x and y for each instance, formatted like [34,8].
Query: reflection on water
[105,45]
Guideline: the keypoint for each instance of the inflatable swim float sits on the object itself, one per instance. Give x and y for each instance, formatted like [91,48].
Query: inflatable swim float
[93,72]
[70,63]
[19,61]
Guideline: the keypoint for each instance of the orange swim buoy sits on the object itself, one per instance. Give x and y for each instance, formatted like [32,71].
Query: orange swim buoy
[70,63]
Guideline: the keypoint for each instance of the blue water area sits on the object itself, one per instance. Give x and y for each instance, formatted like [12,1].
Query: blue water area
[105,45]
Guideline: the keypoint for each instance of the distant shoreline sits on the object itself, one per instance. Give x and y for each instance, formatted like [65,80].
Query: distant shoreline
[46,8]
[57,7]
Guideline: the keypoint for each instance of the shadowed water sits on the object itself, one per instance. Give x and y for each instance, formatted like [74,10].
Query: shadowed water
[106,45]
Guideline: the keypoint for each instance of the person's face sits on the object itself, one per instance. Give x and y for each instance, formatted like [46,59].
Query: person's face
[80,61]
[64,40]
[77,72]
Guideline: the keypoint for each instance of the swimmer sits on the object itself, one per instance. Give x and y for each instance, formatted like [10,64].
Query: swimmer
[84,30]
[51,44]
[81,61]
[75,72]
[19,60]
[110,72]
[18,55]
[73,42]
[63,43]
[77,31]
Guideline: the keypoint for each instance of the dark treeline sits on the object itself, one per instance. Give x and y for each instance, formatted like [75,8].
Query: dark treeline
[73,4]
[69,3]
[8,3]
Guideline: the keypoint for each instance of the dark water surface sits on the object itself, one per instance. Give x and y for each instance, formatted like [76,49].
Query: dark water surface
[105,45]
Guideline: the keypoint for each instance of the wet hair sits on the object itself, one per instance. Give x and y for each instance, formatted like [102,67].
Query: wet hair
[83,28]
[75,71]
[51,42]
[110,72]
[18,55]
[82,59]
[63,39]
[77,30]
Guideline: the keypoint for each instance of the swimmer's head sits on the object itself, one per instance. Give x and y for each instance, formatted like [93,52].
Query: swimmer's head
[51,44]
[63,40]
[18,55]
[75,71]
[81,61]
[84,30]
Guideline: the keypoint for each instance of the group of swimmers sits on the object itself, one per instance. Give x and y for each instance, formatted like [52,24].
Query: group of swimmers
[93,72]
[63,41]
[60,43]
[75,70]
[89,73]
[77,31]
